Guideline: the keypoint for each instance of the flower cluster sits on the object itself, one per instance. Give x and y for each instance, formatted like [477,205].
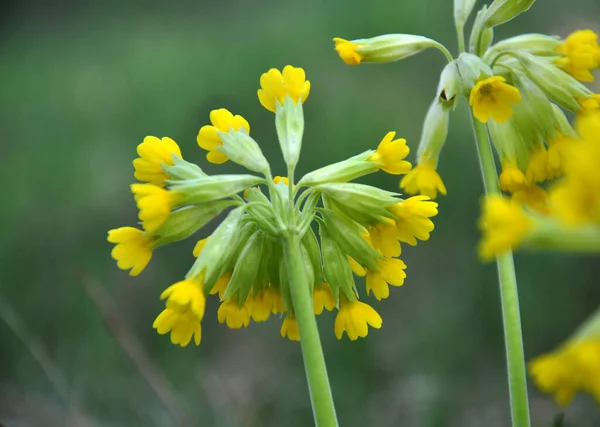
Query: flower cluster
[341,227]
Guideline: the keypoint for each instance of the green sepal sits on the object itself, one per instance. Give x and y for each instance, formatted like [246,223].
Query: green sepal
[182,170]
[359,196]
[246,268]
[284,287]
[289,122]
[501,11]
[240,148]
[183,222]
[209,188]
[246,230]
[364,218]
[336,267]
[310,243]
[273,264]
[471,69]
[262,277]
[343,171]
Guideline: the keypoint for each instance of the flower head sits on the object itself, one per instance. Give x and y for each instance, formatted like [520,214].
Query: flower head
[580,55]
[390,155]
[222,121]
[155,204]
[412,218]
[289,328]
[347,51]
[233,314]
[424,179]
[504,225]
[391,273]
[275,86]
[323,298]
[355,317]
[153,153]
[133,249]
[492,97]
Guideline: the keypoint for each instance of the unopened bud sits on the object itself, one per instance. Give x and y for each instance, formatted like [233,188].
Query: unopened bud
[501,11]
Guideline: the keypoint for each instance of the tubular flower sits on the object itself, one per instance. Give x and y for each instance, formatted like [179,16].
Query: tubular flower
[424,179]
[537,168]
[222,121]
[504,225]
[155,204]
[153,153]
[234,315]
[573,367]
[391,273]
[390,155]
[221,285]
[289,328]
[355,317]
[580,55]
[534,197]
[261,305]
[385,238]
[512,178]
[183,313]
[323,298]
[276,85]
[347,51]
[133,249]
[492,97]
[412,218]
[557,149]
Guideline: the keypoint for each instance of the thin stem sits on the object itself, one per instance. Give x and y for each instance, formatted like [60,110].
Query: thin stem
[291,169]
[460,32]
[445,51]
[312,352]
[517,380]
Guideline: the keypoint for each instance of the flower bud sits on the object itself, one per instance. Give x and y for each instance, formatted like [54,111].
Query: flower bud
[358,196]
[435,130]
[240,148]
[208,188]
[501,11]
[462,10]
[289,121]
[471,69]
[343,171]
[450,85]
[311,245]
[536,44]
[481,36]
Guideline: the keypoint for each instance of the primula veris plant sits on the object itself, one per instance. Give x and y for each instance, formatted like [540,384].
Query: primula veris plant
[283,247]
[547,194]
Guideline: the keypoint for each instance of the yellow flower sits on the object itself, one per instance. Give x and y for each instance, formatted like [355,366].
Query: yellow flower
[153,153]
[133,250]
[537,168]
[534,197]
[392,273]
[221,285]
[512,178]
[347,51]
[323,298]
[155,204]
[557,149]
[279,179]
[581,55]
[591,103]
[233,314]
[390,155]
[261,305]
[385,239]
[573,367]
[199,246]
[278,306]
[357,269]
[504,225]
[183,313]
[355,317]
[424,179]
[222,121]
[276,85]
[289,328]
[412,218]
[492,97]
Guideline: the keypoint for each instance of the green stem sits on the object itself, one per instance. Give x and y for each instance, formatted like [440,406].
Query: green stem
[517,380]
[460,32]
[553,236]
[312,352]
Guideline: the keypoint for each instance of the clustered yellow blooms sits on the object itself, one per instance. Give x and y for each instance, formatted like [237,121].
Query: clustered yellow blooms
[361,228]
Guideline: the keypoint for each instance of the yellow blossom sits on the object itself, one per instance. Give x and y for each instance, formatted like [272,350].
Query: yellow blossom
[133,249]
[504,225]
[385,239]
[278,306]
[261,304]
[557,149]
[591,103]
[390,155]
[199,246]
[355,317]
[153,153]
[289,328]
[234,315]
[581,55]
[512,178]
[424,179]
[492,97]
[183,313]
[357,269]
[347,51]
[534,197]
[222,121]
[278,179]
[221,285]
[155,204]
[412,218]
[537,168]
[391,273]
[323,298]
[276,85]
[574,367]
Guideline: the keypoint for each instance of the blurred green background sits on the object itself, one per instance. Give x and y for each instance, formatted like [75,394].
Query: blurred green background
[81,84]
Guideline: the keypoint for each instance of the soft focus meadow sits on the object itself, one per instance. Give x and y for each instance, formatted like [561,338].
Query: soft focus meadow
[81,84]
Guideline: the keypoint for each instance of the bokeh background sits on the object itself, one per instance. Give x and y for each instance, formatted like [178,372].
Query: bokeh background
[81,84]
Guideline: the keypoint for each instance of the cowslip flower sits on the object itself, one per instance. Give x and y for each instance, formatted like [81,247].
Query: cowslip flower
[233,314]
[391,273]
[512,178]
[413,218]
[155,204]
[354,318]
[222,120]
[492,98]
[424,179]
[390,155]
[275,85]
[347,51]
[323,299]
[385,237]
[153,153]
[289,328]
[580,55]
[133,249]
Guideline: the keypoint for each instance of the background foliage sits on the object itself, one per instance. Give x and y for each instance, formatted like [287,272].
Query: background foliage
[83,82]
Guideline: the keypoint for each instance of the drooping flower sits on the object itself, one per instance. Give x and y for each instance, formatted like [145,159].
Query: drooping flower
[391,273]
[534,197]
[580,55]
[512,178]
[275,85]
[537,168]
[385,238]
[323,298]
[133,249]
[233,314]
[183,313]
[504,225]
[261,304]
[221,285]
[424,179]
[390,155]
[289,328]
[153,153]
[154,203]
[412,218]
[492,97]
[557,150]
[354,318]
[222,121]
[347,51]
